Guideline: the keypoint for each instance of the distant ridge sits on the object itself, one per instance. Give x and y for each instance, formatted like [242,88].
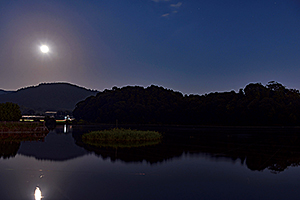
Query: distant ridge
[5,92]
[47,96]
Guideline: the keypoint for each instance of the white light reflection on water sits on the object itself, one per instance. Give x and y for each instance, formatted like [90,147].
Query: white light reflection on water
[37,194]
[65,128]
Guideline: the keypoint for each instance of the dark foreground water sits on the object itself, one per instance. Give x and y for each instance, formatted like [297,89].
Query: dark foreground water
[190,163]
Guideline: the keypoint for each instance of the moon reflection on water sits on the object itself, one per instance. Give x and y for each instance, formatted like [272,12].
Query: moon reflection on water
[37,194]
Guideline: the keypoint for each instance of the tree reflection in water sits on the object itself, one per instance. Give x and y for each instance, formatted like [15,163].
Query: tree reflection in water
[274,149]
[10,142]
[259,148]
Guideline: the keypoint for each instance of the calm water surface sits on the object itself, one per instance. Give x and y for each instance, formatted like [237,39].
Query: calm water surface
[188,164]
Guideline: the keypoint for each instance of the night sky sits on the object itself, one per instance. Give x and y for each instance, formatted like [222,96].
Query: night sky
[195,46]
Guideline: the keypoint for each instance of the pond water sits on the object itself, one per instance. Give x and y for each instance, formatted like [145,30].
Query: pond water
[190,163]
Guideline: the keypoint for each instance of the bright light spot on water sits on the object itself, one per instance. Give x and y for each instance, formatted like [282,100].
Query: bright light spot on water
[65,128]
[37,194]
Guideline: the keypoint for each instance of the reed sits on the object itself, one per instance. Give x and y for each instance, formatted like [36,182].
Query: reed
[122,138]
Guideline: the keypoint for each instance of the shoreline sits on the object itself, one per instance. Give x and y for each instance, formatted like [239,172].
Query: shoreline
[16,127]
[190,127]
[193,131]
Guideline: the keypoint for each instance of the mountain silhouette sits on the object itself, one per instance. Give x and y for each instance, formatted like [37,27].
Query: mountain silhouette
[47,96]
[4,92]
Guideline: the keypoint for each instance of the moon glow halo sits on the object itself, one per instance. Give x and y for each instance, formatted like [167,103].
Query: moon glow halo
[44,49]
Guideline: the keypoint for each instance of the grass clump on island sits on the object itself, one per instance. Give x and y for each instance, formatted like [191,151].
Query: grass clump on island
[121,138]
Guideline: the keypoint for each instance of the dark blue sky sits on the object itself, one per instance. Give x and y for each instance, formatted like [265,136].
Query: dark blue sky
[190,46]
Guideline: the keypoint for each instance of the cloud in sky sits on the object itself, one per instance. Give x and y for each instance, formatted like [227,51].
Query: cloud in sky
[171,7]
[176,5]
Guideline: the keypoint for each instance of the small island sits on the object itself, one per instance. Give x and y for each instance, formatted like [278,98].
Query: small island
[121,138]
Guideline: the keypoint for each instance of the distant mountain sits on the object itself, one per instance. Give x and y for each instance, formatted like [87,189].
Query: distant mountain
[4,92]
[47,96]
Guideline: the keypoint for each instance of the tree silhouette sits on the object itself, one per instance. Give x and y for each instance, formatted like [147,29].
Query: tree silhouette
[10,112]
[256,104]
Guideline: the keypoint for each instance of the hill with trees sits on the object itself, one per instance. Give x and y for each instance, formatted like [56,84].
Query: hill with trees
[47,96]
[256,104]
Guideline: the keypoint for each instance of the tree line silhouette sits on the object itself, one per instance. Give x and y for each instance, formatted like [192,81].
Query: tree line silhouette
[9,112]
[256,104]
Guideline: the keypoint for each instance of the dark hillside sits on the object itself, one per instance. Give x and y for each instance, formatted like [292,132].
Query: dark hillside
[48,96]
[256,104]
[131,104]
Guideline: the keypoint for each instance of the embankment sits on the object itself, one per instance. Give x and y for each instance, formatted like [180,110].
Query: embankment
[22,127]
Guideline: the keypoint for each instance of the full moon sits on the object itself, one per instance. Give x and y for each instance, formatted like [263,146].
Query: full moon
[44,49]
